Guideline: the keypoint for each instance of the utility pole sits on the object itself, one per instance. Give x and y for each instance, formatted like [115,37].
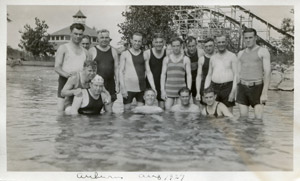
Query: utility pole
[240,33]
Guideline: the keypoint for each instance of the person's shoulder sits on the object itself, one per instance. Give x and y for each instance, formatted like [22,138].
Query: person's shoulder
[62,48]
[263,50]
[175,108]
[194,108]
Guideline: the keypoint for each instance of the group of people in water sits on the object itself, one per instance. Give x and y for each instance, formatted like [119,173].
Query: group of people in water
[207,80]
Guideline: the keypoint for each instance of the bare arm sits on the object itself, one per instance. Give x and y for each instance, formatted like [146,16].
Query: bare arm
[148,70]
[188,72]
[77,101]
[107,103]
[199,77]
[121,74]
[209,74]
[69,88]
[224,110]
[239,66]
[92,53]
[116,66]
[163,78]
[267,73]
[59,59]
[234,67]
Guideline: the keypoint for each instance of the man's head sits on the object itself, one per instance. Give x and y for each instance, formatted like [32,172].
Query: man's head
[176,44]
[191,44]
[209,96]
[184,95]
[86,41]
[97,85]
[158,41]
[77,30]
[90,69]
[250,37]
[103,37]
[136,41]
[209,46]
[149,97]
[221,43]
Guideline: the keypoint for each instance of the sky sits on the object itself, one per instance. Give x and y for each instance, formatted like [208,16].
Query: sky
[58,17]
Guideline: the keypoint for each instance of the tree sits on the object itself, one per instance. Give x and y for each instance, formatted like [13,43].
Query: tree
[35,40]
[148,20]
[287,42]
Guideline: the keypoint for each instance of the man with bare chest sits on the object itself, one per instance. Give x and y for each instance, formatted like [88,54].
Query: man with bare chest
[222,74]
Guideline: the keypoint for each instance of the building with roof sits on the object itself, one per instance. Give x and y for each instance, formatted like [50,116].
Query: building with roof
[63,36]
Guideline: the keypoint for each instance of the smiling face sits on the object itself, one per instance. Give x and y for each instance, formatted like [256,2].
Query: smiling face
[249,39]
[76,36]
[210,98]
[221,44]
[149,97]
[89,72]
[136,42]
[158,43]
[103,39]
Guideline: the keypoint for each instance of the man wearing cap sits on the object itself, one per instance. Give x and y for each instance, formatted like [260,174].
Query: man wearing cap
[80,80]
[254,70]
[107,63]
[92,100]
[69,59]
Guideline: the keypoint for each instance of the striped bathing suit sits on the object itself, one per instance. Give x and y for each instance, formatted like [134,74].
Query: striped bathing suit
[175,77]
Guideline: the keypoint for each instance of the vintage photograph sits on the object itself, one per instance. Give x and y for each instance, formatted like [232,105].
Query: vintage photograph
[149,88]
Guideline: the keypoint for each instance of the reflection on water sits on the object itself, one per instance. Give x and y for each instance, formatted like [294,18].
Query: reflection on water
[40,140]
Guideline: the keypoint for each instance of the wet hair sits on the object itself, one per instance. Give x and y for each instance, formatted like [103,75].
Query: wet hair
[137,34]
[208,40]
[158,35]
[77,26]
[90,63]
[250,30]
[210,89]
[190,39]
[149,89]
[184,89]
[86,37]
[176,39]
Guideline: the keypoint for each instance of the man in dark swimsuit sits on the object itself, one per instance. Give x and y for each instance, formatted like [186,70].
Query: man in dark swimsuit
[133,71]
[212,107]
[154,59]
[92,100]
[203,66]
[107,63]
[194,54]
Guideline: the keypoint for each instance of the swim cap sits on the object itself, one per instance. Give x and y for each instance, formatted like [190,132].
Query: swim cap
[98,79]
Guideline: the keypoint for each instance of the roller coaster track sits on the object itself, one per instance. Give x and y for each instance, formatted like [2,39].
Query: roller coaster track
[218,12]
[265,22]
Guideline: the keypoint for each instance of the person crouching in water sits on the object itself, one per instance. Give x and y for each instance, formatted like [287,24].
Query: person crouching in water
[149,107]
[91,100]
[214,108]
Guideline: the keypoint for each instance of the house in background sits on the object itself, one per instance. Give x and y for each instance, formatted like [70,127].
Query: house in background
[63,36]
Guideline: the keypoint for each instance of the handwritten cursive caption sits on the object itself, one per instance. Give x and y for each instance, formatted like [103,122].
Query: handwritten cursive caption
[171,177]
[146,177]
[95,175]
